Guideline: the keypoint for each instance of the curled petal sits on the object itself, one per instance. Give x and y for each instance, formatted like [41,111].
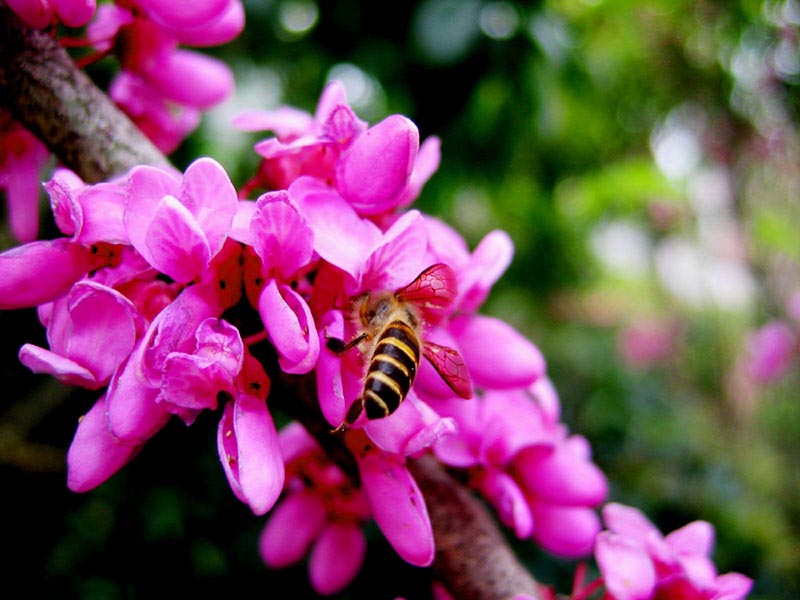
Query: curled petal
[132,414]
[374,186]
[413,427]
[292,526]
[282,237]
[175,244]
[41,360]
[95,455]
[336,557]
[398,507]
[290,326]
[564,530]
[627,570]
[509,502]
[39,272]
[329,370]
[250,452]
[399,255]
[497,355]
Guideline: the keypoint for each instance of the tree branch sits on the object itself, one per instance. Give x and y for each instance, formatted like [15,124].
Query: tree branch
[48,94]
[42,88]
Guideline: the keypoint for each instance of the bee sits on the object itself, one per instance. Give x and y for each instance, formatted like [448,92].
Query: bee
[392,326]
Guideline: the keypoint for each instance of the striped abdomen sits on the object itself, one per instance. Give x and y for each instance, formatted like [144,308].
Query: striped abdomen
[391,370]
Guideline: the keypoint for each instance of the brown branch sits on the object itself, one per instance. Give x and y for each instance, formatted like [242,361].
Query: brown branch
[44,90]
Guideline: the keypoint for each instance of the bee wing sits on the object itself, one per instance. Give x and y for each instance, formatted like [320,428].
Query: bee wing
[449,364]
[435,287]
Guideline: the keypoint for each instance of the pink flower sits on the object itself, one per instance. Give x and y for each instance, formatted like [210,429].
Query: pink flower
[162,87]
[647,342]
[771,350]
[638,563]
[321,514]
[284,242]
[541,482]
[41,13]
[22,155]
[338,149]
[179,225]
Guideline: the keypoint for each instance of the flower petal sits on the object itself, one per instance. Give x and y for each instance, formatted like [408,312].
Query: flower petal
[290,325]
[336,557]
[498,356]
[564,530]
[627,570]
[398,507]
[208,193]
[282,237]
[373,186]
[292,526]
[509,502]
[95,455]
[132,414]
[250,452]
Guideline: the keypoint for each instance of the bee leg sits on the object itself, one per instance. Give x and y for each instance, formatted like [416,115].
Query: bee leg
[339,347]
[352,415]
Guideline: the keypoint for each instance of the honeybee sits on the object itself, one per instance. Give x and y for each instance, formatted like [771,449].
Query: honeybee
[392,325]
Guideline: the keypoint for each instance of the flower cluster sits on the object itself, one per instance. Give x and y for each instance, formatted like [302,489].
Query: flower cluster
[638,563]
[162,87]
[172,293]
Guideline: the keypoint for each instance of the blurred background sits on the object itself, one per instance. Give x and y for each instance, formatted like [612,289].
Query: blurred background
[644,157]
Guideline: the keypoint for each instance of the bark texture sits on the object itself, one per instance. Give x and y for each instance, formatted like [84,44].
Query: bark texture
[41,88]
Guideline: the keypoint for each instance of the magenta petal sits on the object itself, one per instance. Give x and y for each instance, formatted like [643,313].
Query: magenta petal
[732,586]
[563,530]
[329,370]
[399,256]
[627,570]
[35,13]
[146,187]
[398,507]
[250,452]
[694,539]
[425,166]
[105,328]
[488,262]
[292,526]
[629,522]
[285,121]
[175,244]
[40,272]
[374,170]
[224,29]
[22,195]
[40,360]
[132,414]
[102,207]
[332,219]
[509,502]
[208,193]
[179,15]
[290,325]
[336,557]
[95,455]
[563,477]
[74,13]
[191,78]
[282,237]
[498,356]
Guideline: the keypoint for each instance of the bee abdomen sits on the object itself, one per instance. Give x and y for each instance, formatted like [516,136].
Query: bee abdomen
[391,370]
